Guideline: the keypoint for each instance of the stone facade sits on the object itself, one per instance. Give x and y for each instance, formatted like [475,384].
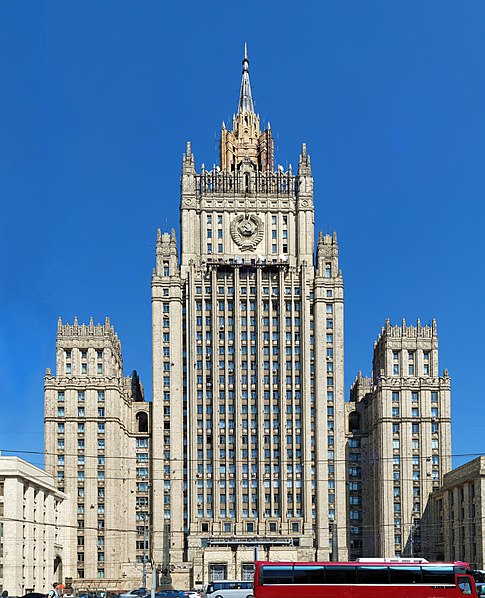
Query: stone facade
[31,524]
[247,357]
[248,446]
[454,521]
[399,442]
[97,444]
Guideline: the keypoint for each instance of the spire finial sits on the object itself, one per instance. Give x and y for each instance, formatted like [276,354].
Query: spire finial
[245,95]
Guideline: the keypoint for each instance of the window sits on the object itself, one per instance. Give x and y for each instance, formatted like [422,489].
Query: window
[411,363]
[426,363]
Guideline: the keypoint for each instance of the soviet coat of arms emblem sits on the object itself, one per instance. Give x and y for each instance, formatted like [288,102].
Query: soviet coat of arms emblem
[247,231]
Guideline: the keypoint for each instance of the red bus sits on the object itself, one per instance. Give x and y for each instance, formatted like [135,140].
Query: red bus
[363,580]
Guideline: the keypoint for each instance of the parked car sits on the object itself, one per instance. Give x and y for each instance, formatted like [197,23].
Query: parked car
[171,594]
[34,595]
[138,593]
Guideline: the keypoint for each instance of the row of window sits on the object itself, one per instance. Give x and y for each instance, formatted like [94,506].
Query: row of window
[81,445]
[251,305]
[81,396]
[245,290]
[81,476]
[243,336]
[84,368]
[253,513]
[415,396]
[81,427]
[266,379]
[100,541]
[434,412]
[267,394]
[83,353]
[81,460]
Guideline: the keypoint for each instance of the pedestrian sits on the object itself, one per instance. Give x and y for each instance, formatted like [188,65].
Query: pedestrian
[54,593]
[4,594]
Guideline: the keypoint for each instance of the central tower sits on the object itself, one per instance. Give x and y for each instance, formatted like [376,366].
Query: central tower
[248,396]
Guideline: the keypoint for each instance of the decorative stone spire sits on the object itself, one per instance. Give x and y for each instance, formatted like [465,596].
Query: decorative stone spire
[245,96]
[245,144]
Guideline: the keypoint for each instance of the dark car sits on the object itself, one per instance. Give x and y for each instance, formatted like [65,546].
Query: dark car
[171,594]
[34,595]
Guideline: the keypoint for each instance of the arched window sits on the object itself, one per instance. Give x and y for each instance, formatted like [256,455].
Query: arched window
[354,421]
[142,421]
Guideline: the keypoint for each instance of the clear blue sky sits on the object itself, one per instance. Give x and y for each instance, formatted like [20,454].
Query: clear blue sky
[97,101]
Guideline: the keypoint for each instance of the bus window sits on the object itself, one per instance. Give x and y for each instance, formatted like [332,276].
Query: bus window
[373,575]
[279,574]
[464,585]
[309,574]
[404,575]
[438,575]
[336,574]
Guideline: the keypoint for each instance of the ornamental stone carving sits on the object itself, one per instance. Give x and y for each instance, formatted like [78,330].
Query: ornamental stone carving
[247,231]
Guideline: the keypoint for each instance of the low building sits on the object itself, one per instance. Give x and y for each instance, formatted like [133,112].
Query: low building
[30,528]
[453,524]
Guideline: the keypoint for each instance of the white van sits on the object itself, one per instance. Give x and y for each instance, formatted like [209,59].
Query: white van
[228,588]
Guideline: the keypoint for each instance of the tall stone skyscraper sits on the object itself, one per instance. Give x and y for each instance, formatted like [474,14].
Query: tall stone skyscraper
[247,358]
[97,445]
[399,443]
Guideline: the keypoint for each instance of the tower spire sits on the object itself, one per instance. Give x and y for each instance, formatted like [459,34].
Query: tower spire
[245,96]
